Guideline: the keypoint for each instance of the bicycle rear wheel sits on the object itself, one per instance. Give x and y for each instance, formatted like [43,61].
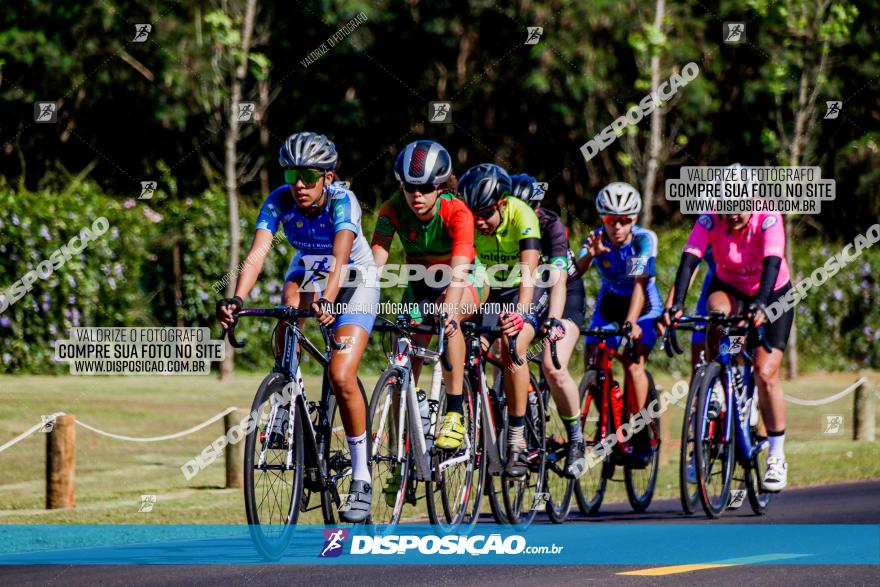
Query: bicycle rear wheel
[689,491]
[559,488]
[589,490]
[390,470]
[273,474]
[640,481]
[523,497]
[337,455]
[451,498]
[715,446]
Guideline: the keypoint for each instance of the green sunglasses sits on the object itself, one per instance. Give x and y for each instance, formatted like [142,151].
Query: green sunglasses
[308,176]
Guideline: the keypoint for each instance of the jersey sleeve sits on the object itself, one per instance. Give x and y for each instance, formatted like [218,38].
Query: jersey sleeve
[700,237]
[527,227]
[346,213]
[386,225]
[645,250]
[460,222]
[269,217]
[772,236]
[556,241]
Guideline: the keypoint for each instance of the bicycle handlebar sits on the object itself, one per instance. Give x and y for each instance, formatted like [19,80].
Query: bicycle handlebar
[279,313]
[701,324]
[403,325]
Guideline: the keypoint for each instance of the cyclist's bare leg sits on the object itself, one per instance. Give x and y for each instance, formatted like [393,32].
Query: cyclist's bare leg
[343,378]
[516,377]
[635,377]
[769,383]
[562,386]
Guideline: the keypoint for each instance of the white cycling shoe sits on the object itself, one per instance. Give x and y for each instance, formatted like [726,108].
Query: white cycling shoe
[776,476]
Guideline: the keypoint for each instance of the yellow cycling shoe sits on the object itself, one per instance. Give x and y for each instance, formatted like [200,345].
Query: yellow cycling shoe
[451,432]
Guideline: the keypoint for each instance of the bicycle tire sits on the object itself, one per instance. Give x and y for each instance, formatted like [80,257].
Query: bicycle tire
[641,500]
[709,449]
[521,501]
[450,506]
[499,416]
[559,488]
[690,498]
[337,455]
[589,490]
[272,545]
[383,451]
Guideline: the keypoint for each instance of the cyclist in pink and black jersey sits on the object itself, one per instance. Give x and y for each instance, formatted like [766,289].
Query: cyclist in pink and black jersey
[750,273]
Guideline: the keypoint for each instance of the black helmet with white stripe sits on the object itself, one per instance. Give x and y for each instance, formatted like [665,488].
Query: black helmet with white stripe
[619,199]
[483,185]
[310,150]
[423,163]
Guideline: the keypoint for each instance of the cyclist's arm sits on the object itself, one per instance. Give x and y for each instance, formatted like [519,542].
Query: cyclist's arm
[342,245]
[460,224]
[455,290]
[557,293]
[670,297]
[528,264]
[697,245]
[584,260]
[253,263]
[386,226]
[773,241]
[637,301]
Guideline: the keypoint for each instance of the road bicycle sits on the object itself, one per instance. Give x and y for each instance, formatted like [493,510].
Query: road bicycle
[605,408]
[721,418]
[404,426]
[294,448]
[521,498]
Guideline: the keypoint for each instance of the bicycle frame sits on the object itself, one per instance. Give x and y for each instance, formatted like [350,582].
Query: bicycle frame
[738,400]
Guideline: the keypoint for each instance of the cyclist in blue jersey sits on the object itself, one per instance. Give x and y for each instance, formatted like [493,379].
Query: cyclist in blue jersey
[625,255]
[322,221]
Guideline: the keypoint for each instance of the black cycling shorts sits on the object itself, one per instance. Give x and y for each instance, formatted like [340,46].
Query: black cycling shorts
[776,333]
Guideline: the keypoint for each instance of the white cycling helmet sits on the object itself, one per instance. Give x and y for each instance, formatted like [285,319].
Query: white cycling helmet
[619,199]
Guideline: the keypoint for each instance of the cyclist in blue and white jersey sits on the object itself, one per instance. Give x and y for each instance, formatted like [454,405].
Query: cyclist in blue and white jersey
[322,221]
[625,255]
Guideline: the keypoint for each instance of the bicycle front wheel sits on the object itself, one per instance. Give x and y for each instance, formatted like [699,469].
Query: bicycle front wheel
[523,497]
[273,467]
[390,466]
[451,498]
[689,489]
[589,490]
[559,487]
[641,480]
[715,443]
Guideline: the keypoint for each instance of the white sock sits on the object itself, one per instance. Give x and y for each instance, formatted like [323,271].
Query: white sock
[777,446]
[516,436]
[360,470]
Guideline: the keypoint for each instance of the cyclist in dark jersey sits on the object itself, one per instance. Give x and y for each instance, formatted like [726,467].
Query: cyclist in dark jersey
[435,228]
[563,307]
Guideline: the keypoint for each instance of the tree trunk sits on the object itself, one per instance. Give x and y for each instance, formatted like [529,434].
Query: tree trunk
[178,286]
[263,87]
[231,168]
[656,142]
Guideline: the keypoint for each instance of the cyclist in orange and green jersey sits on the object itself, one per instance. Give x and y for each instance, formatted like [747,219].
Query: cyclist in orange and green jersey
[435,228]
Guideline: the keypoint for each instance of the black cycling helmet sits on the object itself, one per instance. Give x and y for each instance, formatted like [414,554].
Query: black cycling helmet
[483,185]
[423,162]
[308,149]
[525,188]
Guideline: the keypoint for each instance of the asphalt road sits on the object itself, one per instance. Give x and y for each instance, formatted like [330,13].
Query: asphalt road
[850,503]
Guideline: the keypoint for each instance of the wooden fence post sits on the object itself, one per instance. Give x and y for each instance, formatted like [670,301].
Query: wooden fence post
[234,449]
[61,464]
[864,413]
